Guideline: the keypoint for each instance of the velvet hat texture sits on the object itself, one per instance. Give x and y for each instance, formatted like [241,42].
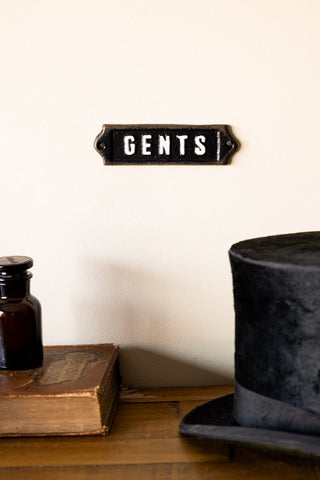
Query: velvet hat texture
[276,404]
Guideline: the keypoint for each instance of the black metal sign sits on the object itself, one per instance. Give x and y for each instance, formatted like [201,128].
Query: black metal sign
[166,144]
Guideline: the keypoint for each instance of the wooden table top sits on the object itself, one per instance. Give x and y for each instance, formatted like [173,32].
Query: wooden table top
[145,444]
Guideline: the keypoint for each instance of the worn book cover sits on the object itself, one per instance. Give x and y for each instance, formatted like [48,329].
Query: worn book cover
[74,392]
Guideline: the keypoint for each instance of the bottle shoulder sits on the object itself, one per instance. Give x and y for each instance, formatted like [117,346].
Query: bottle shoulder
[11,305]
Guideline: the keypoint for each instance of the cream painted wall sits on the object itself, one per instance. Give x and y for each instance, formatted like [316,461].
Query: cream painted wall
[138,255]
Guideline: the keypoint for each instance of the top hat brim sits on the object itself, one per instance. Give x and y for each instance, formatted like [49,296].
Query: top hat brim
[214,421]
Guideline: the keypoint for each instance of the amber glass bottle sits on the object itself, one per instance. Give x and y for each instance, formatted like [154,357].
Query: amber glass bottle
[20,316]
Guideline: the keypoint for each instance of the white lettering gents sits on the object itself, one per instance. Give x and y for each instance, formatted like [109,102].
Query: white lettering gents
[199,148]
[164,145]
[182,139]
[129,145]
[148,144]
[145,144]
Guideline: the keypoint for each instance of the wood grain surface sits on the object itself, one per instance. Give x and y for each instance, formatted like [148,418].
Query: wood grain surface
[145,444]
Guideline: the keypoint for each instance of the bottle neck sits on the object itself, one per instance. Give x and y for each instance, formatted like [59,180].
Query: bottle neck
[18,288]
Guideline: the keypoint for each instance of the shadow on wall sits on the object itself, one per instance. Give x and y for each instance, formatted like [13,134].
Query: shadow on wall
[140,367]
[145,314]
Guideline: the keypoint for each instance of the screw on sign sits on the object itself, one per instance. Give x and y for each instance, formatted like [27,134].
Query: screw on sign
[166,144]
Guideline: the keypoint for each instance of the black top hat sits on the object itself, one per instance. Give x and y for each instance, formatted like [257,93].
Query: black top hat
[276,403]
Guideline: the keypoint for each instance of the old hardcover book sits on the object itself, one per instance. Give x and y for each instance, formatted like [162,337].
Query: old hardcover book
[74,392]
